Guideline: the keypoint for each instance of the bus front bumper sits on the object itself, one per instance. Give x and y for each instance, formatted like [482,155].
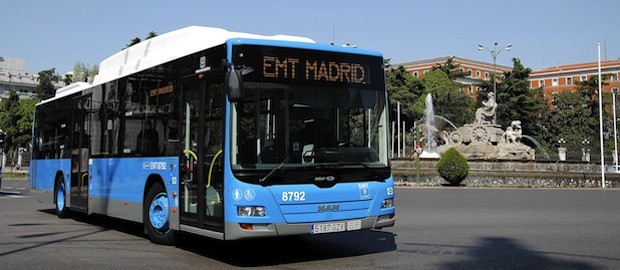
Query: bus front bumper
[238,231]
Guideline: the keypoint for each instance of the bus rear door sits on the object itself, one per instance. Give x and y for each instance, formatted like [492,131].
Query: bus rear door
[80,154]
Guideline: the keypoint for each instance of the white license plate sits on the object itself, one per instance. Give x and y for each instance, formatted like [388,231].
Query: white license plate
[336,227]
[354,225]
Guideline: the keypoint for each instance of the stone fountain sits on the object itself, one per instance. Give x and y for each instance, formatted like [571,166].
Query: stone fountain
[429,133]
[482,139]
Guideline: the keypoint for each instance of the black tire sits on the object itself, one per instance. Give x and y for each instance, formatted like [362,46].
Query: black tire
[157,216]
[60,199]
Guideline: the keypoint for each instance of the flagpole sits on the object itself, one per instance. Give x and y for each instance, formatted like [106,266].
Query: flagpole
[600,115]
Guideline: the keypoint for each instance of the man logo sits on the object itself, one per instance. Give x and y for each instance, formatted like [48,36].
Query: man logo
[329,208]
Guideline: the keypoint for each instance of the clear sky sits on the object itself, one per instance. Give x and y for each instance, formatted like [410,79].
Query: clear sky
[57,34]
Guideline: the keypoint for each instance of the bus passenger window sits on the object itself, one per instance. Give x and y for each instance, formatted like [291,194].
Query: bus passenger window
[148,140]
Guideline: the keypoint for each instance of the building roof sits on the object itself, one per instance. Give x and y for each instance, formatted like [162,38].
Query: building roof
[443,59]
[576,68]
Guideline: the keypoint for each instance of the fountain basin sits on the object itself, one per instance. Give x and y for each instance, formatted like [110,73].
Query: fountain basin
[510,173]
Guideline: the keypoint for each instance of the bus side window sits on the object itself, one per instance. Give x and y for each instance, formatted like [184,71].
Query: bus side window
[148,140]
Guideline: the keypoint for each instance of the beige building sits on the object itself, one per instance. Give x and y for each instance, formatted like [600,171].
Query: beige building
[553,80]
[479,71]
[558,79]
[13,75]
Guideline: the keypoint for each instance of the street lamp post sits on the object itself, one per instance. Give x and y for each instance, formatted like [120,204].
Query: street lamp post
[494,53]
[585,151]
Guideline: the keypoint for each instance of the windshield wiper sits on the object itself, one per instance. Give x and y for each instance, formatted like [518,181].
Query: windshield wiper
[277,168]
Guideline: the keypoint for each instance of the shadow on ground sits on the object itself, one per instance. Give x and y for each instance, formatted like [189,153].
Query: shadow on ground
[503,253]
[263,252]
[292,249]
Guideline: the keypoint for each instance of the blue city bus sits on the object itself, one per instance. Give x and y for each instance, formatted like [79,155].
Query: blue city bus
[222,134]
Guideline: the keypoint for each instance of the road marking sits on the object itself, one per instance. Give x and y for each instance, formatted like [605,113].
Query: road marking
[15,197]
[12,195]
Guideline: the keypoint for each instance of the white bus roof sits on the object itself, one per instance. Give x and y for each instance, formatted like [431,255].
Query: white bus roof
[161,49]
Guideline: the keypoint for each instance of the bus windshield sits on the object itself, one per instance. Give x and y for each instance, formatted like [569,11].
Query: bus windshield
[331,132]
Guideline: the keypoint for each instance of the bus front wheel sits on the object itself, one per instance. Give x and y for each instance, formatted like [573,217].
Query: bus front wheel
[157,216]
[61,202]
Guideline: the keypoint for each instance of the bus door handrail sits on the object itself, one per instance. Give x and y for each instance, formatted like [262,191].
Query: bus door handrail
[211,167]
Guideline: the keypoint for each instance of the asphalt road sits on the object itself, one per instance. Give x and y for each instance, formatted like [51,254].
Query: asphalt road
[436,228]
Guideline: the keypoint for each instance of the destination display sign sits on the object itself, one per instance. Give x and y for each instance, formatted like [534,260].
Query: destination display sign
[299,66]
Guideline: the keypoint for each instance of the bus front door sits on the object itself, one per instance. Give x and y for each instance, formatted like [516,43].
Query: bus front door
[202,157]
[80,154]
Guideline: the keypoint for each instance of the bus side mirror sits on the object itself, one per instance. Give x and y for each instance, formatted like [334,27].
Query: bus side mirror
[234,84]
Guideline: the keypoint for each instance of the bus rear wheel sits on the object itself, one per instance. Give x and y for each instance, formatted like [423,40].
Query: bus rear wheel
[60,199]
[157,216]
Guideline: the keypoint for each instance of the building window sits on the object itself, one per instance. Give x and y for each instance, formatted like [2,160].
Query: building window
[583,78]
[541,83]
[469,72]
[569,80]
[477,73]
[554,82]
[415,74]
[613,77]
[486,74]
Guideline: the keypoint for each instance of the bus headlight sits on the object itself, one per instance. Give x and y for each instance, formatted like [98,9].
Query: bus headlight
[387,203]
[251,211]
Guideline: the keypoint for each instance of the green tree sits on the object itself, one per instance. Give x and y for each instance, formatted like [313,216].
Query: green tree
[83,72]
[9,117]
[25,114]
[517,101]
[571,120]
[45,89]
[452,70]
[132,42]
[68,79]
[448,99]
[137,40]
[404,88]
[150,35]
[16,120]
[589,91]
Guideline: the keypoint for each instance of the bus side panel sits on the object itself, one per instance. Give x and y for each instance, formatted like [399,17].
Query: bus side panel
[117,186]
[43,175]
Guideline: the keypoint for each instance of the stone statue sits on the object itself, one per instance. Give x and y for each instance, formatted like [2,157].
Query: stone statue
[513,133]
[517,132]
[508,136]
[484,114]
